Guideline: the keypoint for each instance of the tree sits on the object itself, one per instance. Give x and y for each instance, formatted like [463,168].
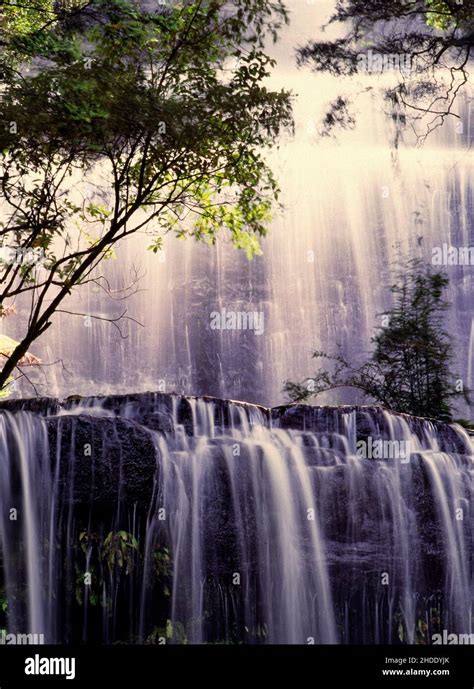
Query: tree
[427,43]
[120,120]
[409,370]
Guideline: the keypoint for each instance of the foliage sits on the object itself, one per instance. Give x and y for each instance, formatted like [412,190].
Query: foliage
[116,554]
[7,389]
[120,120]
[465,423]
[113,556]
[410,368]
[3,599]
[171,633]
[22,19]
[424,627]
[436,36]
[119,550]
[442,15]
[162,566]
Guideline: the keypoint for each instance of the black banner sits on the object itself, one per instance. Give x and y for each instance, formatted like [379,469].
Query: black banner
[366,666]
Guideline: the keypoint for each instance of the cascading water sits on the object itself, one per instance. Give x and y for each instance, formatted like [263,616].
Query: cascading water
[26,524]
[156,518]
[351,208]
[242,497]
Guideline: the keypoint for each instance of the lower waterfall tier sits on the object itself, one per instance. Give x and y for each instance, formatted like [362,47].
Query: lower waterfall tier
[156,518]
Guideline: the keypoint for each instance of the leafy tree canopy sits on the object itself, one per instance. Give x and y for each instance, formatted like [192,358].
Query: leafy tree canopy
[118,119]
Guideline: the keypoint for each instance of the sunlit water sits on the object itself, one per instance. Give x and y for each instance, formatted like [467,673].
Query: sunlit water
[352,207]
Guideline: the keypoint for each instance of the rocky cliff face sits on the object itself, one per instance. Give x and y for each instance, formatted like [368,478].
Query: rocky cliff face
[162,412]
[234,521]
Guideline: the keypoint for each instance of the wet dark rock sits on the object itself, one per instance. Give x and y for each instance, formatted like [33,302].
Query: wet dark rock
[103,460]
[43,406]
[369,421]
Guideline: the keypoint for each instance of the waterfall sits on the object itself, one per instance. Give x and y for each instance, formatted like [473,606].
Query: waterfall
[352,206]
[156,518]
[215,487]
[26,523]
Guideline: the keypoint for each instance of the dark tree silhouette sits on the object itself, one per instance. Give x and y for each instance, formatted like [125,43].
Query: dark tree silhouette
[410,367]
[428,43]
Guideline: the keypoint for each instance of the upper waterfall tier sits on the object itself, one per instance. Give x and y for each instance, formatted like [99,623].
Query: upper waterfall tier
[162,412]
